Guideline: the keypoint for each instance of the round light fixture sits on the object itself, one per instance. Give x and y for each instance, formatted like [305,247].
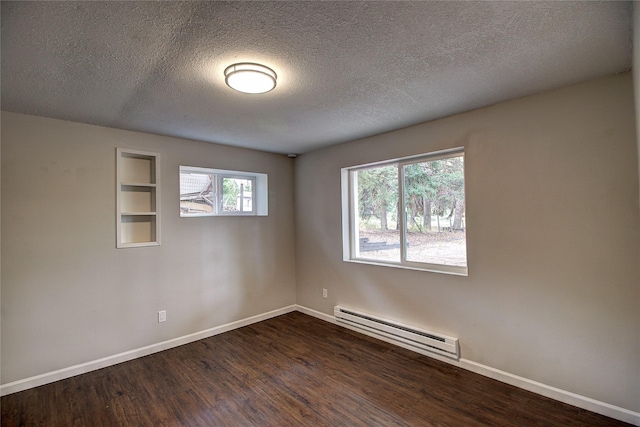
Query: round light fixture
[250,78]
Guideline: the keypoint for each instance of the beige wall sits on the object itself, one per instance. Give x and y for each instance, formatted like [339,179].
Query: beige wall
[553,292]
[69,296]
[636,71]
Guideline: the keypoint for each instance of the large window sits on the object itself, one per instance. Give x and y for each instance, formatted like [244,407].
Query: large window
[207,192]
[407,213]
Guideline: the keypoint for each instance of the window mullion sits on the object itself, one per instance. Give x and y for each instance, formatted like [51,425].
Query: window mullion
[254,199]
[402,220]
[353,209]
[217,184]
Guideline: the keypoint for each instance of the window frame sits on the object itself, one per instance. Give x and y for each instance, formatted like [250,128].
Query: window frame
[350,229]
[259,191]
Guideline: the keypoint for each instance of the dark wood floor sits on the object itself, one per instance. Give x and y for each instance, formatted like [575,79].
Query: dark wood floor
[292,370]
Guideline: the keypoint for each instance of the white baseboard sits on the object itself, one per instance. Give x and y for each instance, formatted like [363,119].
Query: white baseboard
[326,317]
[564,396]
[93,365]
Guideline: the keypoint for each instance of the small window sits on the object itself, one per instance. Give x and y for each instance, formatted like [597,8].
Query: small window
[210,192]
[407,213]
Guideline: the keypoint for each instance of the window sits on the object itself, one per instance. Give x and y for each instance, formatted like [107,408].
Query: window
[208,192]
[407,213]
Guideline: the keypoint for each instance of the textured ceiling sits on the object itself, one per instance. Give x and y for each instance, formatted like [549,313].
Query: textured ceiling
[345,69]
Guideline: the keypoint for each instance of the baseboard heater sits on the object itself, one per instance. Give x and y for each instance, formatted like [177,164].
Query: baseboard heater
[395,332]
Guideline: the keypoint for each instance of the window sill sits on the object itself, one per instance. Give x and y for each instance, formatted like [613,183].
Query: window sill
[432,268]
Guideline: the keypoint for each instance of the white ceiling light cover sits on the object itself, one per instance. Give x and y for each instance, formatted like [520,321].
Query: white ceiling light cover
[250,78]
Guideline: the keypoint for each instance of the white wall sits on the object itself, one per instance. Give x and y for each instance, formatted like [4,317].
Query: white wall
[553,292]
[69,296]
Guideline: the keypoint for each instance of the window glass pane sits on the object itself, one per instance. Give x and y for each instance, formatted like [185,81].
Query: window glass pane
[377,226]
[434,209]
[196,193]
[237,195]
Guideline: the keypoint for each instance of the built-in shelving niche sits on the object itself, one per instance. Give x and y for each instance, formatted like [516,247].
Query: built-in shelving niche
[138,198]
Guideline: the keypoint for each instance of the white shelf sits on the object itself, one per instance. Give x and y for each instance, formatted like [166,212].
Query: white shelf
[137,201]
[137,184]
[138,245]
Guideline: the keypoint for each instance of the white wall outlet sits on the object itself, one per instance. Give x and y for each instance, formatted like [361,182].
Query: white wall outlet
[324,293]
[162,316]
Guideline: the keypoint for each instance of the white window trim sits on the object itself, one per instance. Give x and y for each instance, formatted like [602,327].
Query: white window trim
[350,245]
[219,191]
[260,191]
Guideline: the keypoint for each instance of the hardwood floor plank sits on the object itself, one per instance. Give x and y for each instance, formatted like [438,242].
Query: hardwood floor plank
[291,370]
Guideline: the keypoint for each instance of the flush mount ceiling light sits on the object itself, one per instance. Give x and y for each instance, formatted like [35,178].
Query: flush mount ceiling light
[250,78]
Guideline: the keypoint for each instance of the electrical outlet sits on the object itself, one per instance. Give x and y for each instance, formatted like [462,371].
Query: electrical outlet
[162,316]
[324,293]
